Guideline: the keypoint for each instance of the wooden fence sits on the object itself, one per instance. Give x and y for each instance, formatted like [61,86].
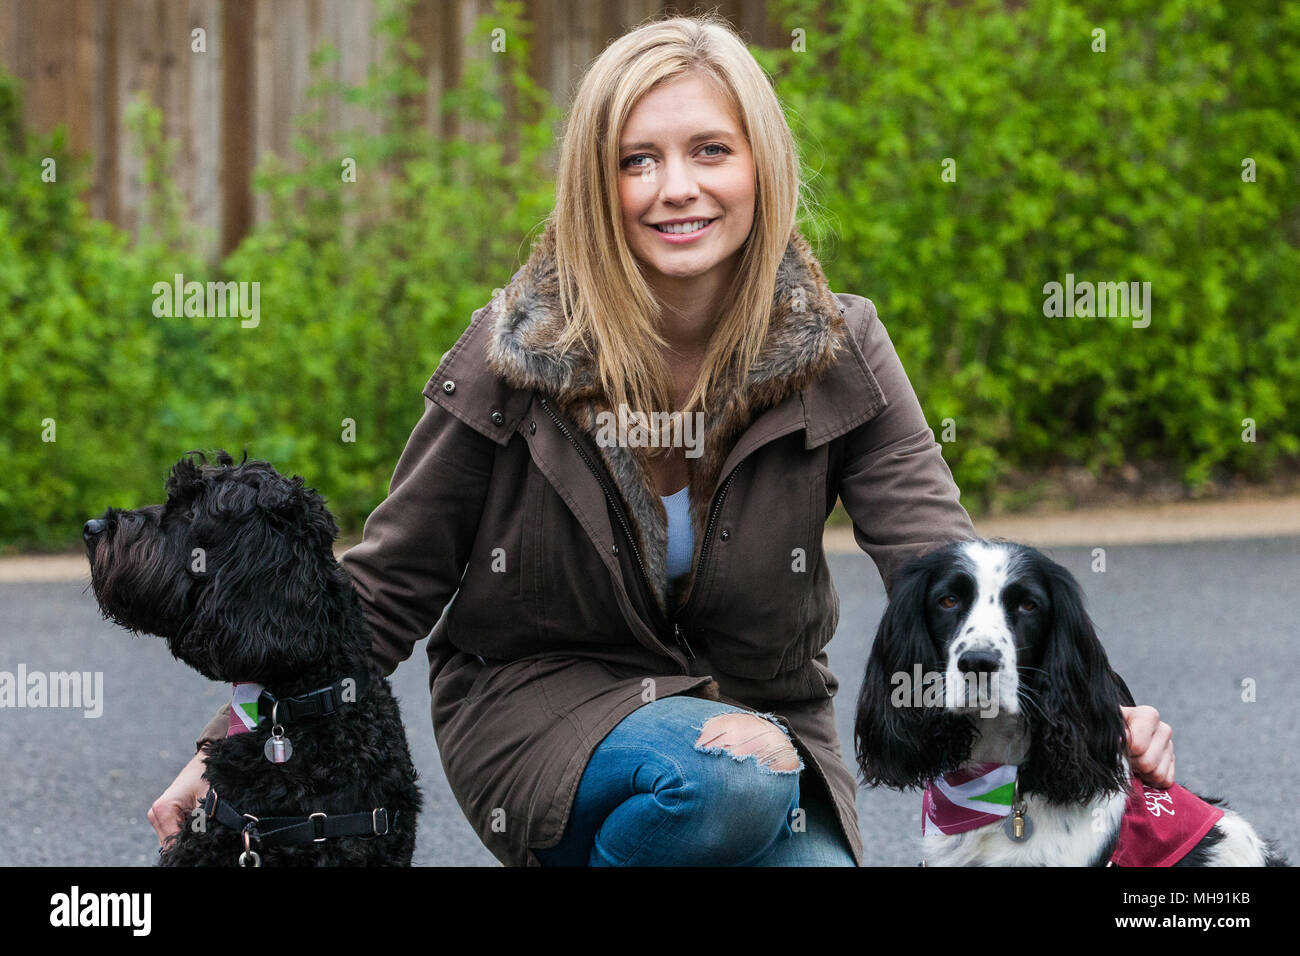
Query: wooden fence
[83,61]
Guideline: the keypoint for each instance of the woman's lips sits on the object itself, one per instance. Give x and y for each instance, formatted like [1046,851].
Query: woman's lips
[681,238]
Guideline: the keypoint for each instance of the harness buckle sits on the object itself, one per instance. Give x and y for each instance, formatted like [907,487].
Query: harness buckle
[326,705]
[249,857]
[374,821]
[318,824]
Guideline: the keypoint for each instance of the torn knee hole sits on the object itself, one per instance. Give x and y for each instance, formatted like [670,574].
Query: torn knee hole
[744,735]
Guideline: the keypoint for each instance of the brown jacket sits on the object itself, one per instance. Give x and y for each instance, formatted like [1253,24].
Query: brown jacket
[554,546]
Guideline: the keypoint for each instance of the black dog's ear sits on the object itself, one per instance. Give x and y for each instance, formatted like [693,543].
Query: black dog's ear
[272,593]
[300,508]
[899,744]
[185,475]
[1077,732]
[266,609]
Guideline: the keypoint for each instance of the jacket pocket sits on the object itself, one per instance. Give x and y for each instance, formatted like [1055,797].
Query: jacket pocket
[830,684]
[480,671]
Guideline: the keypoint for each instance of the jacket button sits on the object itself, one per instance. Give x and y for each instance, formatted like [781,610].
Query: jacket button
[532,428]
[725,534]
[497,417]
[449,386]
[614,548]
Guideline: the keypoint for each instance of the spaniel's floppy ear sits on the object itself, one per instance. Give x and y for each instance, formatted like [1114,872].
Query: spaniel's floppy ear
[1077,735]
[900,744]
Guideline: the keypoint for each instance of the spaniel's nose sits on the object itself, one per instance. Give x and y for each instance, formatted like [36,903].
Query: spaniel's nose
[92,528]
[979,662]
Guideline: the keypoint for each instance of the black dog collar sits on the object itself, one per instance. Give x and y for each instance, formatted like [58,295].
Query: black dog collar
[267,832]
[317,703]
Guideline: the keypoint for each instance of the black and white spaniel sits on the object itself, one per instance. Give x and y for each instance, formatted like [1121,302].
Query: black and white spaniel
[987,687]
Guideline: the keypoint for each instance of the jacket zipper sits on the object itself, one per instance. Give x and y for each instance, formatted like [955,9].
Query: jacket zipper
[679,635]
[618,511]
[704,553]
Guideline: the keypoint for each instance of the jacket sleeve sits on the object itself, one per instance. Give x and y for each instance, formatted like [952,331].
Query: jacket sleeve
[417,542]
[894,482]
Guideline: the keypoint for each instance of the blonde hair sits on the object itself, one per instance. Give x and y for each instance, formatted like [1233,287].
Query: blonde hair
[607,302]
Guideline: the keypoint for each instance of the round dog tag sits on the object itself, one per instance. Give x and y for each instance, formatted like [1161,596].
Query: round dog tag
[1018,827]
[278,748]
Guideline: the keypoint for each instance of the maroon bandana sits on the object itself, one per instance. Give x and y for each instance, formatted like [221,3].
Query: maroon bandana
[1160,827]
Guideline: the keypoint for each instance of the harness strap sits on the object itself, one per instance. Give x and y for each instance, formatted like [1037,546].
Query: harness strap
[288,831]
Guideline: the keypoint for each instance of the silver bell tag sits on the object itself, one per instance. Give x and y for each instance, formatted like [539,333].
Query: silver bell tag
[278,748]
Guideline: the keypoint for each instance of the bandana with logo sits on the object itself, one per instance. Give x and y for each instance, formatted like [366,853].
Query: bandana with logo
[1160,827]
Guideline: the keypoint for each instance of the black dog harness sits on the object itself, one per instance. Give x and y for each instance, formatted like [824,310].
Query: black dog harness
[288,831]
[267,832]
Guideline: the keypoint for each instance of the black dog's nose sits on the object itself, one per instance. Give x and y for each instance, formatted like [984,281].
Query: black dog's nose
[980,662]
[93,527]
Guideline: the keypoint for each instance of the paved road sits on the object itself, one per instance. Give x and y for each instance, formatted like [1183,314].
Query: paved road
[1184,624]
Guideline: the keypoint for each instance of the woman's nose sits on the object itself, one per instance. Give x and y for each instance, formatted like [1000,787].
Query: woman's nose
[678,183]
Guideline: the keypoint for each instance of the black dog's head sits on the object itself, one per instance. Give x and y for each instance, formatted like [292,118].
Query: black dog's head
[981,630]
[236,570]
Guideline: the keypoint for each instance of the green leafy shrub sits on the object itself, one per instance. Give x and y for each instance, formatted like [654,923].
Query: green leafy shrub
[363,287]
[1123,165]
[89,378]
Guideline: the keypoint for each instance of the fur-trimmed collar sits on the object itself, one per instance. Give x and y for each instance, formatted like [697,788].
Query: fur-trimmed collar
[806,331]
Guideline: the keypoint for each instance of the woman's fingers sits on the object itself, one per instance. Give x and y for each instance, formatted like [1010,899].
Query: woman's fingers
[167,815]
[1151,745]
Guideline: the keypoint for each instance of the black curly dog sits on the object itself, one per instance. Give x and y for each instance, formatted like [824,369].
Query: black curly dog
[237,572]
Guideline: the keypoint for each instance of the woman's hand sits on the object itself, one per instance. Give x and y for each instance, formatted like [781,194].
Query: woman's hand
[1150,746]
[171,811]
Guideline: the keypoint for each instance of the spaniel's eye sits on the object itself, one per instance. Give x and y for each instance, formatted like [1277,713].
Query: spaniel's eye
[948,602]
[1028,604]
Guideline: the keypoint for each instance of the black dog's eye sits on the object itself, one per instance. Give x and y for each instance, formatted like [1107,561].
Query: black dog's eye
[1028,604]
[948,601]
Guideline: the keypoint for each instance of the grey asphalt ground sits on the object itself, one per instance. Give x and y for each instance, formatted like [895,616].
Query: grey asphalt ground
[1183,623]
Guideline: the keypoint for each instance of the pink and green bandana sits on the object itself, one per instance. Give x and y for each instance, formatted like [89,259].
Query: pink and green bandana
[969,798]
[243,708]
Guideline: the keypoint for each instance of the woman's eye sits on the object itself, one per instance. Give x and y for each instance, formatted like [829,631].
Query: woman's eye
[948,601]
[629,164]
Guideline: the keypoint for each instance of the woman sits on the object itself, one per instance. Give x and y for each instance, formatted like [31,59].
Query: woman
[632,671]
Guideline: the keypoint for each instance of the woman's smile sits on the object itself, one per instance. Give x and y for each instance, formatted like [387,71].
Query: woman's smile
[678,233]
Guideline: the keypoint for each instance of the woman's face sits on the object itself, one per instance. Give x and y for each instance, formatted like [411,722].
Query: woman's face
[682,156]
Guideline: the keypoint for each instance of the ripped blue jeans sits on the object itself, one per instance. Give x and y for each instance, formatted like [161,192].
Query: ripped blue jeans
[651,797]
